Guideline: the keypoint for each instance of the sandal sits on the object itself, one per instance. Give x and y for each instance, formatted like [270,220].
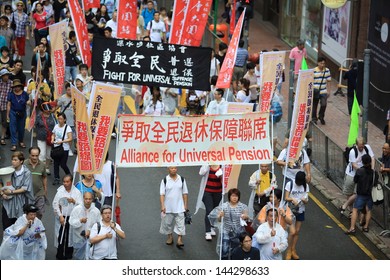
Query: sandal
[350,232]
[2,141]
[365,229]
[362,223]
[13,148]
[22,145]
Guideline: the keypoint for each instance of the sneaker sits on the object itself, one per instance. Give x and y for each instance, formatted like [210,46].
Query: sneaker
[48,171]
[113,135]
[70,153]
[56,181]
[208,236]
[212,232]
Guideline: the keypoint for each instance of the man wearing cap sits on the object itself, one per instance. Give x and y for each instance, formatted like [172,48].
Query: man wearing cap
[5,88]
[26,239]
[22,23]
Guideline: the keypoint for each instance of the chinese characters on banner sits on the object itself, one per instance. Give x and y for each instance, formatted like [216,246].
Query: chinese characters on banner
[89,4]
[271,69]
[33,116]
[226,73]
[80,27]
[231,173]
[302,115]
[232,17]
[86,159]
[187,141]
[151,63]
[179,12]
[58,39]
[102,107]
[195,22]
[127,19]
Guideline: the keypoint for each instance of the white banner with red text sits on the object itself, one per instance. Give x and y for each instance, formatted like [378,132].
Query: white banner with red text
[194,140]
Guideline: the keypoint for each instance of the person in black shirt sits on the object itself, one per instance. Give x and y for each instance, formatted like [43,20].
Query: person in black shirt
[45,61]
[351,76]
[17,73]
[245,251]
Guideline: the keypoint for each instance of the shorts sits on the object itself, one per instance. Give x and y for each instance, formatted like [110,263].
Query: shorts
[363,200]
[300,217]
[173,222]
[349,185]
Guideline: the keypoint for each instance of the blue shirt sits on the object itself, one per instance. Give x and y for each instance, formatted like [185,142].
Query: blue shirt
[18,102]
[83,189]
[241,58]
[148,16]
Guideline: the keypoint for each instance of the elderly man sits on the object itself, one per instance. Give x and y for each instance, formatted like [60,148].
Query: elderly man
[219,105]
[174,202]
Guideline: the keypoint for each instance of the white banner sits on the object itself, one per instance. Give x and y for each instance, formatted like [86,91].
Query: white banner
[188,141]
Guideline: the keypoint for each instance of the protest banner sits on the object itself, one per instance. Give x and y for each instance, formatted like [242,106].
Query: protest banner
[89,4]
[127,19]
[179,12]
[58,39]
[271,69]
[151,63]
[226,74]
[102,107]
[302,114]
[189,141]
[85,153]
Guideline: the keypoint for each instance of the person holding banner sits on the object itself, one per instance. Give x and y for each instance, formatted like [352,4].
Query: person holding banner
[210,194]
[297,194]
[272,237]
[302,164]
[89,184]
[66,198]
[234,214]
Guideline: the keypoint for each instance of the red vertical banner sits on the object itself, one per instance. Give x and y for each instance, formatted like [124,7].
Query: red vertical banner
[80,27]
[226,73]
[179,12]
[233,17]
[89,4]
[195,22]
[127,19]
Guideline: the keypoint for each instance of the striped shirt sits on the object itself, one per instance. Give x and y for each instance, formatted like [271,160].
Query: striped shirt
[241,58]
[214,183]
[232,217]
[318,74]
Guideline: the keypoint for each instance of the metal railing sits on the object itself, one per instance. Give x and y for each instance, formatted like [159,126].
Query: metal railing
[328,157]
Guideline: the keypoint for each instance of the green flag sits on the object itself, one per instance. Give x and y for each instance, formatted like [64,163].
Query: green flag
[304,64]
[354,126]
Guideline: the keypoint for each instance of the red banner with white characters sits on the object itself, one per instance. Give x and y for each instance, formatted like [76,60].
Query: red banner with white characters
[127,19]
[86,155]
[195,22]
[89,4]
[226,73]
[179,12]
[80,27]
[58,38]
[232,17]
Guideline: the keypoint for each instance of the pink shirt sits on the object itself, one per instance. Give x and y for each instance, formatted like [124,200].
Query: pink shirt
[298,55]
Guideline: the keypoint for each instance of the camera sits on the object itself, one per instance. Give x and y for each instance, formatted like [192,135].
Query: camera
[82,233]
[187,217]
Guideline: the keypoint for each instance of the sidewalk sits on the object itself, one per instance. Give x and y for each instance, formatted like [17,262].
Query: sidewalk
[262,35]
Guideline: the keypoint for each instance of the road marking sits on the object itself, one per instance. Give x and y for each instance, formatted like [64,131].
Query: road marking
[130,103]
[340,225]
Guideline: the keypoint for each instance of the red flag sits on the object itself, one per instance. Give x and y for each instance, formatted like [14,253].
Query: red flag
[195,22]
[233,17]
[80,27]
[179,12]
[89,4]
[226,73]
[127,19]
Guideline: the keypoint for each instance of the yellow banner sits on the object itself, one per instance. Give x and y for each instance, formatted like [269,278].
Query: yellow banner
[57,40]
[302,113]
[271,69]
[86,157]
[102,108]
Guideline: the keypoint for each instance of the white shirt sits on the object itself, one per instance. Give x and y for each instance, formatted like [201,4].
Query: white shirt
[114,27]
[62,193]
[242,97]
[173,191]
[105,178]
[263,237]
[93,216]
[216,108]
[156,28]
[298,192]
[350,171]
[298,165]
[105,249]
[214,67]
[59,132]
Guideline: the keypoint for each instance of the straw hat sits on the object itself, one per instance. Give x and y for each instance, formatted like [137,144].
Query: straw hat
[17,83]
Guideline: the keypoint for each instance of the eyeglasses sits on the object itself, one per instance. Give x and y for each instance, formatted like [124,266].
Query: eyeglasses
[19,5]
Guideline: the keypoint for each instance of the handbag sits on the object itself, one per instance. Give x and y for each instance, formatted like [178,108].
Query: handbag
[377,192]
[48,132]
[58,152]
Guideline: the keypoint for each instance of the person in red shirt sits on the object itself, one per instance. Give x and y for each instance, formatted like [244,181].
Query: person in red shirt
[39,23]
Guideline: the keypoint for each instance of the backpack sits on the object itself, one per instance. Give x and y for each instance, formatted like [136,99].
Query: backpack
[165,181]
[348,149]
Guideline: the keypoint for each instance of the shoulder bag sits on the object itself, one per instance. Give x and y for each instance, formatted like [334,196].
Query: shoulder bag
[58,152]
[48,132]
[377,192]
